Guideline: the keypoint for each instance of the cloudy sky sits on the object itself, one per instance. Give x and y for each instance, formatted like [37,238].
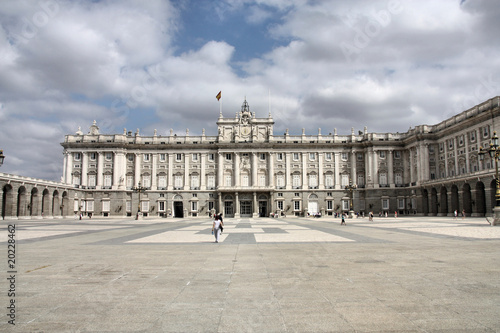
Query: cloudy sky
[158,64]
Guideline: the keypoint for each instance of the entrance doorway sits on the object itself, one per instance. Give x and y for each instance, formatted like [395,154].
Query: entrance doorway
[228,209]
[245,208]
[262,208]
[178,209]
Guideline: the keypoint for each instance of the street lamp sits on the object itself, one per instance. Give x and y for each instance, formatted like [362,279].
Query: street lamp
[351,187]
[2,157]
[139,189]
[494,153]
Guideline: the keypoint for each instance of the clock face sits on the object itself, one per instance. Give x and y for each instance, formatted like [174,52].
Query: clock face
[245,130]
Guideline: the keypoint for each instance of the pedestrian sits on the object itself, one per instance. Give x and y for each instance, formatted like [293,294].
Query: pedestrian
[455,214]
[463,214]
[216,228]
[343,220]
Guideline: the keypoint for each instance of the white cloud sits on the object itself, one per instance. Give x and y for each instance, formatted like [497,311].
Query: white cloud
[387,65]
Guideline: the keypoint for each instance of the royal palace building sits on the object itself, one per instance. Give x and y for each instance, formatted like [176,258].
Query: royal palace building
[246,170]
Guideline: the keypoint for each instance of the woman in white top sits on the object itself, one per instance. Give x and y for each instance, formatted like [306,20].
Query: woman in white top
[216,228]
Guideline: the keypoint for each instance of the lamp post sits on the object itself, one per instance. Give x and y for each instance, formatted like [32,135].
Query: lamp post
[2,157]
[139,189]
[494,152]
[351,187]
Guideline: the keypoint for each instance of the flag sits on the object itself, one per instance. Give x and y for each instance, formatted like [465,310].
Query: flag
[219,95]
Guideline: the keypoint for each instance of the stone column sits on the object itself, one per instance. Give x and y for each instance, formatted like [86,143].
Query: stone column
[85,165]
[321,176]
[236,167]
[254,169]
[220,171]
[170,172]
[186,172]
[353,177]
[337,171]
[203,176]
[288,170]
[154,176]
[271,170]
[69,168]
[237,205]
[100,169]
[304,170]
[390,168]
[137,177]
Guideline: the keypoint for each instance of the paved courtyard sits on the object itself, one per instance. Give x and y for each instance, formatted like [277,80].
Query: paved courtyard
[426,274]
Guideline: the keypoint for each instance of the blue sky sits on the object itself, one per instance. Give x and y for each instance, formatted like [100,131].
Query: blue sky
[158,64]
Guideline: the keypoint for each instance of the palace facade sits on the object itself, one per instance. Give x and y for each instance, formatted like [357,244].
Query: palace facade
[248,171]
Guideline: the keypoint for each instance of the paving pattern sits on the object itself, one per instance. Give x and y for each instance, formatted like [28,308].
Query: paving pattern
[410,274]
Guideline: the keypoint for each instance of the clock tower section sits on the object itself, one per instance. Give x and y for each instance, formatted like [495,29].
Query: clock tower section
[245,127]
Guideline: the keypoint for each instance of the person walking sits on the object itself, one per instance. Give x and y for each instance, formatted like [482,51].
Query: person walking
[216,228]
[343,220]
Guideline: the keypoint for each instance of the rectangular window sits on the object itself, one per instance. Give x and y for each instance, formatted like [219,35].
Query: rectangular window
[280,205]
[228,181]
[385,204]
[93,156]
[312,156]
[229,157]
[178,157]
[359,156]
[280,181]
[398,178]
[401,203]
[361,180]
[90,206]
[146,181]
[108,180]
[328,156]
[329,181]
[77,156]
[144,206]
[76,180]
[91,180]
[383,178]
[194,206]
[211,181]
[195,157]
[76,207]
[279,156]
[296,181]
[343,156]
[161,206]
[296,205]
[262,156]
[295,156]
[128,206]
[105,206]
[130,181]
[211,157]
[163,157]
[178,181]
[345,204]
[162,181]
[130,157]
[397,154]
[382,154]
[109,156]
[313,181]
[262,180]
[244,180]
[345,180]
[195,182]
[146,157]
[329,204]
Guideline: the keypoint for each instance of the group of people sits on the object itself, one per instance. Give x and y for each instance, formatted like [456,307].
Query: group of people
[217,227]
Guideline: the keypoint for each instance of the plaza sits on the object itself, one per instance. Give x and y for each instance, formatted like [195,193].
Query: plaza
[294,274]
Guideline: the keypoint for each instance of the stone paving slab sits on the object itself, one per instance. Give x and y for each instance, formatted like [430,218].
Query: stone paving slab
[418,274]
